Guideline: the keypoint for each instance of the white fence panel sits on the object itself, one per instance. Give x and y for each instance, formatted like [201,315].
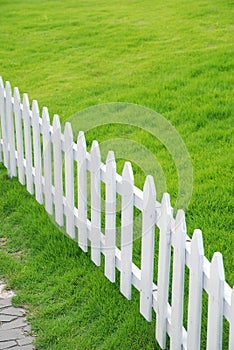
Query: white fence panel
[28,144]
[203,275]
[3,123]
[215,304]
[10,130]
[126,231]
[95,203]
[110,217]
[164,259]
[178,282]
[195,291]
[19,136]
[82,191]
[58,180]
[37,151]
[69,180]
[47,160]
[147,248]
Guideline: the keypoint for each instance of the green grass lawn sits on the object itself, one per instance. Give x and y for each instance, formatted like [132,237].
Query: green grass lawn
[175,57]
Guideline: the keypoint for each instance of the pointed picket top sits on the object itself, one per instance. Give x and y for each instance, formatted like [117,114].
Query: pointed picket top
[217,268]
[110,163]
[1,91]
[35,109]
[110,159]
[25,102]
[8,90]
[81,142]
[1,82]
[166,203]
[165,209]
[197,243]
[165,213]
[56,123]
[16,95]
[1,88]
[95,156]
[68,136]
[16,101]
[95,149]
[127,173]
[149,193]
[45,116]
[81,146]
[180,222]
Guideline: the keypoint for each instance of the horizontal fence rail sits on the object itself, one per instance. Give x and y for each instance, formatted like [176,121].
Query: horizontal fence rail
[33,149]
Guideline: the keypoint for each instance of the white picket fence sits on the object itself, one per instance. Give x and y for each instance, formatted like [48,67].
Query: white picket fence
[25,137]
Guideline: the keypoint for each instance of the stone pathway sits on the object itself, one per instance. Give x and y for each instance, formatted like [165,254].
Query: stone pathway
[15,333]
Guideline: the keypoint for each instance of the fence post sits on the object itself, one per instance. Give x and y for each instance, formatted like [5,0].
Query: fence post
[28,144]
[95,204]
[69,180]
[215,304]
[178,281]
[19,136]
[10,130]
[47,160]
[147,248]
[195,291]
[37,151]
[82,191]
[110,217]
[164,258]
[58,180]
[126,230]
[4,124]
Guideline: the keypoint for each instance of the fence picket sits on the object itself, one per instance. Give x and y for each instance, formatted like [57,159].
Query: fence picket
[69,180]
[28,144]
[19,136]
[178,281]
[82,191]
[95,204]
[231,328]
[58,181]
[126,230]
[215,304]
[47,160]
[3,124]
[164,259]
[37,151]
[1,128]
[110,217]
[147,247]
[195,291]
[10,130]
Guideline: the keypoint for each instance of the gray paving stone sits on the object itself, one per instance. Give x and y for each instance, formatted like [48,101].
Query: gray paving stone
[11,334]
[13,311]
[7,318]
[7,344]
[25,341]
[5,303]
[14,330]
[17,323]
[25,347]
